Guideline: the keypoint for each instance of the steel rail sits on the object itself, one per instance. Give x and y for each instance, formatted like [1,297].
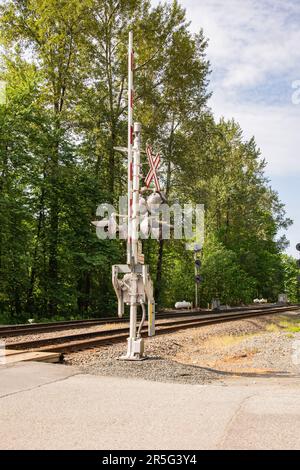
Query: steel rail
[7,331]
[73,343]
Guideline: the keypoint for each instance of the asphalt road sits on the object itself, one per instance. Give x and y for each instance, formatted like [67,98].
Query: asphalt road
[50,406]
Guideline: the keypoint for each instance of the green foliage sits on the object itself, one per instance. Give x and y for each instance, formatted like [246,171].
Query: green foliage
[223,276]
[291,273]
[65,64]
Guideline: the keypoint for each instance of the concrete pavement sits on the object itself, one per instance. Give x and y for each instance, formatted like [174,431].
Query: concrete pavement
[49,406]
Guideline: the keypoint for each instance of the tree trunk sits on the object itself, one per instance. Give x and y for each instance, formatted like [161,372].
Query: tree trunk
[159,266]
[54,225]
[30,296]
[84,288]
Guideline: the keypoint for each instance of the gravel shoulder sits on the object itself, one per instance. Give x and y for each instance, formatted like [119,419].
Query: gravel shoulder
[67,332]
[258,347]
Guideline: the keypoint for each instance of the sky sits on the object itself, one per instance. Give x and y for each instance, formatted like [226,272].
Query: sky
[254,51]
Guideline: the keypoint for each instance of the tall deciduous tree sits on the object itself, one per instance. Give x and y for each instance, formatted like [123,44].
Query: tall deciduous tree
[65,64]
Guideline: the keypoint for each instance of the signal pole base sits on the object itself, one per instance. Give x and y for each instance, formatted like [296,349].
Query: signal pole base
[135,350]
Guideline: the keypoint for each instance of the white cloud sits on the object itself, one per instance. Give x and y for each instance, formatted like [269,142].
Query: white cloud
[275,128]
[248,39]
[242,75]
[255,59]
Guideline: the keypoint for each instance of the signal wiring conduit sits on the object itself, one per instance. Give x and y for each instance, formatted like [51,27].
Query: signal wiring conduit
[142,320]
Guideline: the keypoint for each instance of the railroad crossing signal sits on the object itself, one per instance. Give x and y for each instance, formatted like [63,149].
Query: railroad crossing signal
[154,161]
[132,282]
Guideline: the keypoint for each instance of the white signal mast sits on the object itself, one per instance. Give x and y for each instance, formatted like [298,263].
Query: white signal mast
[132,282]
[130,141]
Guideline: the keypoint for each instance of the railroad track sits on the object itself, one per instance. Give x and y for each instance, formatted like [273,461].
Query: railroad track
[7,331]
[89,340]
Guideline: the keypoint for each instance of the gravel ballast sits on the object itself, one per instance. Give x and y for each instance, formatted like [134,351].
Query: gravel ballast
[252,347]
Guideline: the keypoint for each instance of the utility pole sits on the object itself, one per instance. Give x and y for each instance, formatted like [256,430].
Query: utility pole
[198,277]
[298,277]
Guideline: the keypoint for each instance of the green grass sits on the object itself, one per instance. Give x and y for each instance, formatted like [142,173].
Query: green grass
[291,336]
[287,324]
[292,325]
[272,328]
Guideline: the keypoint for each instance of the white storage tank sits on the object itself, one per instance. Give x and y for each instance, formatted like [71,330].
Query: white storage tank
[183,305]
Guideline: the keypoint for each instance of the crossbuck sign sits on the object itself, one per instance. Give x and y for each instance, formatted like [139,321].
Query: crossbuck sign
[154,161]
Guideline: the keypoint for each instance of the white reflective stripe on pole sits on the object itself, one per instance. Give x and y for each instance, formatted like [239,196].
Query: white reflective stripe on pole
[130,143]
[136,191]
